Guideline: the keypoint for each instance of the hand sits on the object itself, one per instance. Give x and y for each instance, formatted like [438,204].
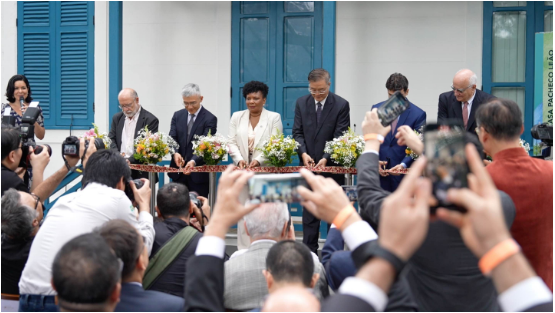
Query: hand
[178,159]
[142,196]
[383,164]
[322,163]
[326,199]
[198,214]
[254,163]
[194,222]
[397,167]
[291,232]
[307,160]
[228,210]
[405,213]
[372,125]
[483,226]
[242,164]
[20,171]
[205,208]
[189,167]
[90,150]
[486,162]
[406,137]
[41,160]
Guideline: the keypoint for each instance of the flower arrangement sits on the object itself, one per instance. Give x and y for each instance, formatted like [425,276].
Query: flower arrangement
[346,149]
[211,148]
[94,132]
[151,148]
[524,145]
[279,150]
[408,151]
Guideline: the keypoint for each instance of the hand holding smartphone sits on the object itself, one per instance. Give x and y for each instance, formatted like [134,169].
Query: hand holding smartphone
[392,108]
[276,187]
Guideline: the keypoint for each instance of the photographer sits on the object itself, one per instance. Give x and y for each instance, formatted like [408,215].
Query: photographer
[102,199]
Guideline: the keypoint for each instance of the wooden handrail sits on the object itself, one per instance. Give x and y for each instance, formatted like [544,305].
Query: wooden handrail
[6,296]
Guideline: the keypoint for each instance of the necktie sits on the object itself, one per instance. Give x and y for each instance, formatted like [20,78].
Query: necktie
[393,125]
[318,112]
[190,124]
[465,114]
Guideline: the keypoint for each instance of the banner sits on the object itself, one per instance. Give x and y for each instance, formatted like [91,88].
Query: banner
[543,82]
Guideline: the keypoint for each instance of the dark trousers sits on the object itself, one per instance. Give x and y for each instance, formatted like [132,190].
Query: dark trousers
[37,303]
[311,225]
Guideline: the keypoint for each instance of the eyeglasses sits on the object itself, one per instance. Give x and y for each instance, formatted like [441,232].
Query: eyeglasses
[37,200]
[460,90]
[317,92]
[126,106]
[189,104]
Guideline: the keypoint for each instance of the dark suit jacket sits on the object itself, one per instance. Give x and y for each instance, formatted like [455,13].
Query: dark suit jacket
[443,274]
[204,122]
[450,108]
[312,137]
[118,121]
[390,151]
[134,298]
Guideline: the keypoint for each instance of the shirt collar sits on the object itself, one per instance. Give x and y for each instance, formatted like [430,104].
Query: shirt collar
[472,99]
[135,283]
[196,113]
[510,153]
[322,102]
[262,241]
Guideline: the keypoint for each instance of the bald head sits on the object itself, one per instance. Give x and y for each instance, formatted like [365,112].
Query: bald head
[128,92]
[464,85]
[128,102]
[291,299]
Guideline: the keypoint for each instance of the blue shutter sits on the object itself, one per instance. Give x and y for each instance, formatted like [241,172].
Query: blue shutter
[62,74]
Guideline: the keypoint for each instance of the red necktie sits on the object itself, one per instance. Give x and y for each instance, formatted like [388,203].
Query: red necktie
[465,114]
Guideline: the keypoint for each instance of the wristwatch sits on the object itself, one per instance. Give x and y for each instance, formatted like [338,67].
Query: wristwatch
[371,249]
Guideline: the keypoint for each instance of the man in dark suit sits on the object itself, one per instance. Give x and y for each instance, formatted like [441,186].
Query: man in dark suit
[320,117]
[390,152]
[186,123]
[462,103]
[127,244]
[127,124]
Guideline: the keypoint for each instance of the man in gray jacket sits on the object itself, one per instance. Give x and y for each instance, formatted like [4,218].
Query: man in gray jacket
[245,284]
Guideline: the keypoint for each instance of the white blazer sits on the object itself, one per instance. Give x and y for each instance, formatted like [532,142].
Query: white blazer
[268,125]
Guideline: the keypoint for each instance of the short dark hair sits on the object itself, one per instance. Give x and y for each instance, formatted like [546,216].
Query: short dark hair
[318,74]
[501,118]
[10,90]
[397,81]
[85,271]
[290,261]
[106,167]
[124,240]
[173,200]
[17,218]
[11,137]
[255,86]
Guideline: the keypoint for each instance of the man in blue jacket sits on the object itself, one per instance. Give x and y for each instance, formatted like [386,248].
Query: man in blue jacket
[391,154]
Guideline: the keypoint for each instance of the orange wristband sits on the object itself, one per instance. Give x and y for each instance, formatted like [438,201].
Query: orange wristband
[377,137]
[343,215]
[497,255]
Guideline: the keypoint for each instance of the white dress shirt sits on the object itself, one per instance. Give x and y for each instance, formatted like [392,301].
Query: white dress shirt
[73,215]
[469,104]
[128,134]
[323,102]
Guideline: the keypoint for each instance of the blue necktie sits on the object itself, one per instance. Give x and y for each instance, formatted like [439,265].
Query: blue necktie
[318,112]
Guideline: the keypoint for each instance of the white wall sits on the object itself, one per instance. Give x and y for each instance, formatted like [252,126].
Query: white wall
[9,44]
[428,42]
[169,44]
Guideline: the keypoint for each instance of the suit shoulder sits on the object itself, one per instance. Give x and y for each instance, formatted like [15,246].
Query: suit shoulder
[303,99]
[149,114]
[338,99]
[417,109]
[446,94]
[379,104]
[117,116]
[209,114]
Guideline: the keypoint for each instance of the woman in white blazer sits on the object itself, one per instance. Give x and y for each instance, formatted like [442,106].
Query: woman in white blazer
[249,129]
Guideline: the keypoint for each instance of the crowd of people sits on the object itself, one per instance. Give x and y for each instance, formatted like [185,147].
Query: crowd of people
[100,249]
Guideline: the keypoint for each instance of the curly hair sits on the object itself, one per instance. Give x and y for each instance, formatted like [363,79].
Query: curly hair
[397,81]
[10,90]
[255,86]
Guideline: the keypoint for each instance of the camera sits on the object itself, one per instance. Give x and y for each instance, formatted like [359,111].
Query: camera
[543,132]
[129,192]
[70,146]
[193,196]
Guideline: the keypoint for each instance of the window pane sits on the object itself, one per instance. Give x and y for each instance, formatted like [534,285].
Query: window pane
[299,48]
[548,21]
[254,7]
[501,4]
[509,46]
[549,3]
[255,49]
[298,6]
[514,93]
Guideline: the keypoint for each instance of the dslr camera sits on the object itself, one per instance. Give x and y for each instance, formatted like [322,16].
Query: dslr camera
[129,192]
[193,196]
[70,146]
[543,132]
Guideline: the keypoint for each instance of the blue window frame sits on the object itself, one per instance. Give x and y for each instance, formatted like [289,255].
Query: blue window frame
[56,53]
[531,15]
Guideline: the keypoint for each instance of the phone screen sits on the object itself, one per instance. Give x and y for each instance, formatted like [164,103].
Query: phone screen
[392,108]
[351,192]
[447,167]
[276,187]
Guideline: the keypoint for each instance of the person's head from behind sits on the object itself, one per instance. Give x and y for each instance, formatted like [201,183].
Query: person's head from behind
[464,85]
[268,221]
[128,245]
[397,82]
[11,147]
[291,299]
[289,263]
[18,87]
[319,82]
[21,214]
[173,200]
[86,275]
[107,167]
[499,125]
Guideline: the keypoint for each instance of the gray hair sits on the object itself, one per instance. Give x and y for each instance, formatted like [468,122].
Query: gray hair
[319,74]
[132,93]
[17,218]
[472,80]
[190,90]
[267,220]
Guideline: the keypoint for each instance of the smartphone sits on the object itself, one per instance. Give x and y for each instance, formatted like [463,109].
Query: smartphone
[392,108]
[276,187]
[351,192]
[447,166]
